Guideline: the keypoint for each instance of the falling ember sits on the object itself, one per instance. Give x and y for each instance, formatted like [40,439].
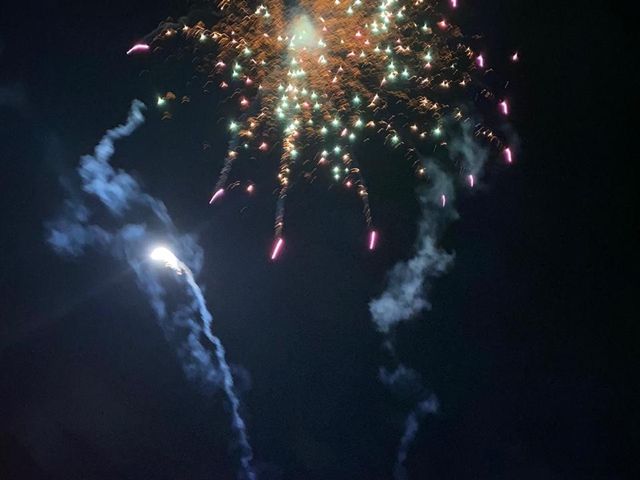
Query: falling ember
[507,155]
[454,3]
[373,236]
[504,107]
[471,180]
[443,200]
[480,61]
[139,47]
[276,248]
[263,146]
[216,195]
[250,188]
[514,57]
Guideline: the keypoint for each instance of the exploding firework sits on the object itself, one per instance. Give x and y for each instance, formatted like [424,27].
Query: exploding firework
[314,82]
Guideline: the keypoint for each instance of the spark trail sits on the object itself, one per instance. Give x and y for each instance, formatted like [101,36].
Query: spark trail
[71,232]
[171,261]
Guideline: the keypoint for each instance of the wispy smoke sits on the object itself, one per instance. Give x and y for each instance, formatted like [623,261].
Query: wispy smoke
[239,426]
[409,282]
[411,426]
[188,326]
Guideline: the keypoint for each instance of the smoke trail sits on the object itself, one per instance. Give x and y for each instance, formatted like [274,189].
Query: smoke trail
[407,384]
[75,229]
[412,423]
[229,387]
[409,282]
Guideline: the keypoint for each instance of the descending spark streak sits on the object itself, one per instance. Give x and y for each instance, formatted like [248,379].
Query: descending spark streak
[216,195]
[372,239]
[139,47]
[504,107]
[237,422]
[277,247]
[508,155]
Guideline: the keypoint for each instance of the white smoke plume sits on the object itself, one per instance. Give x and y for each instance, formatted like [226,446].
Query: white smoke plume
[409,282]
[186,326]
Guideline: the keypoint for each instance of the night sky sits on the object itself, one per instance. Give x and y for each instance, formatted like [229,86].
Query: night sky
[530,345]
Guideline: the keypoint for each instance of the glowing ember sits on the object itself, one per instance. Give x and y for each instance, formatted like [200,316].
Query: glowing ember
[373,237]
[216,195]
[277,248]
[140,47]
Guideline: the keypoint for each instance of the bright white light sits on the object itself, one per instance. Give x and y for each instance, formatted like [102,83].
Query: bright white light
[303,33]
[166,256]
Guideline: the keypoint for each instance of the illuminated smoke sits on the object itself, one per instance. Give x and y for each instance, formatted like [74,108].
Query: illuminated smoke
[168,258]
[409,282]
[185,325]
[411,426]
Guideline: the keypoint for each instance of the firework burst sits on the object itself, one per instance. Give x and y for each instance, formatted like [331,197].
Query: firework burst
[314,82]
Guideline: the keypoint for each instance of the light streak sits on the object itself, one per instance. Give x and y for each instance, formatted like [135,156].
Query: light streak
[216,195]
[277,248]
[373,237]
[139,47]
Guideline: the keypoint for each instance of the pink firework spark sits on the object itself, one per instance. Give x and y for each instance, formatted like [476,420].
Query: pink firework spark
[138,47]
[373,236]
[508,156]
[216,195]
[277,247]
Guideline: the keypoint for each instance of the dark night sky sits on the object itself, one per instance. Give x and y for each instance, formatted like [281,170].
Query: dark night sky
[528,346]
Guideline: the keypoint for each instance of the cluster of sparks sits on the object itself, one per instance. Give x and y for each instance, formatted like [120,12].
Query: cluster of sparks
[314,83]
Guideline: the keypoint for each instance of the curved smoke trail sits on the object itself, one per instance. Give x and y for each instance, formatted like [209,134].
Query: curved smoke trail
[238,422]
[71,232]
[409,282]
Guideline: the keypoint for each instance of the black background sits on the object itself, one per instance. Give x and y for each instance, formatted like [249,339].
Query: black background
[530,345]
